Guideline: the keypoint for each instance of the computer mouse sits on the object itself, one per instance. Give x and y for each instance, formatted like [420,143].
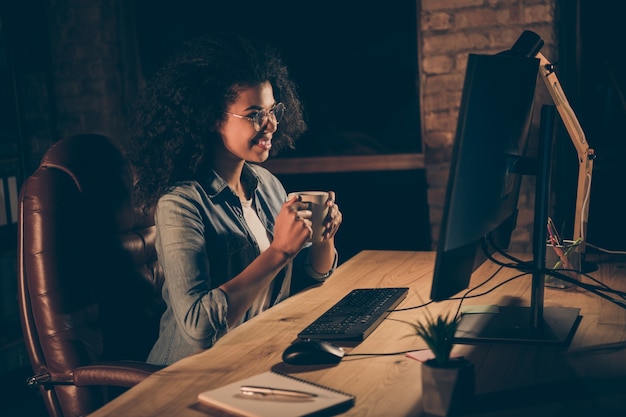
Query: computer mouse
[312,352]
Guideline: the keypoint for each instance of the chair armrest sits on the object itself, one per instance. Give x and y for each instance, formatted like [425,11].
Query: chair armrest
[120,374]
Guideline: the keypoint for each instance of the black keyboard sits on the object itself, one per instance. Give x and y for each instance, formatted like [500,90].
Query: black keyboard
[356,315]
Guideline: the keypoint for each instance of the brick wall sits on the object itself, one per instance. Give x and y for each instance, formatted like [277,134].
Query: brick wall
[449,30]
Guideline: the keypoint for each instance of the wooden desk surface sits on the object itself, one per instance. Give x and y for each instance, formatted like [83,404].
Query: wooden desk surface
[589,378]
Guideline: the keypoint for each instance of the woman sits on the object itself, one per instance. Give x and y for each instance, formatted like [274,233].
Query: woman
[229,243]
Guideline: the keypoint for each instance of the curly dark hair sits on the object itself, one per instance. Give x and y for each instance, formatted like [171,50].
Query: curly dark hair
[182,108]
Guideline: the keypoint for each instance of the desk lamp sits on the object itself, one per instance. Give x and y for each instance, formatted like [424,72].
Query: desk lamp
[529,43]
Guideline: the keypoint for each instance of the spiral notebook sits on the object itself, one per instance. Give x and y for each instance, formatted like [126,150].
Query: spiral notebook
[231,400]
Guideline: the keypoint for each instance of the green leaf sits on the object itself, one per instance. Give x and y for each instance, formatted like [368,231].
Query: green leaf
[438,333]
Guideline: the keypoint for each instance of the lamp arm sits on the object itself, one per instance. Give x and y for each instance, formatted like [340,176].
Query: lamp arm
[586,155]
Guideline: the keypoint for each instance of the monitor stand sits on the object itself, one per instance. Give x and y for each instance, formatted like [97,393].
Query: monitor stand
[513,324]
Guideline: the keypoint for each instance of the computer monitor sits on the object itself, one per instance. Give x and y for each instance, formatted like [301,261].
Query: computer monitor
[483,185]
[481,202]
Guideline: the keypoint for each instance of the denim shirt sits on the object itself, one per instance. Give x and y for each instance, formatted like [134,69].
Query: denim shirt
[202,242]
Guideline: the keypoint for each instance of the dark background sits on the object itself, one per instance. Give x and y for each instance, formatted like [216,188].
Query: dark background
[355,62]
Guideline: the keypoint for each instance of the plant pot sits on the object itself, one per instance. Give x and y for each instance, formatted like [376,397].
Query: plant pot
[446,390]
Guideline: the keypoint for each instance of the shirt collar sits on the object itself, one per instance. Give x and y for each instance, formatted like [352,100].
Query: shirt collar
[214,184]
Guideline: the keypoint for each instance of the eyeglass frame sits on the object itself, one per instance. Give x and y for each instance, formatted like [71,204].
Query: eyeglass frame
[264,115]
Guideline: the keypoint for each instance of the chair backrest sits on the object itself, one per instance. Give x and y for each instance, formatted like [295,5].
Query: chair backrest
[89,282]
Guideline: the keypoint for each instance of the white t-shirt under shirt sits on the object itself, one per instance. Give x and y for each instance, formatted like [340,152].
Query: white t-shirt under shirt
[260,234]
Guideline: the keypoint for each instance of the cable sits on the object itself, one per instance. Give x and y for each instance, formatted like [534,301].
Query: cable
[593,289]
[404,352]
[506,281]
[601,284]
[613,252]
[467,293]
[412,308]
[584,207]
[527,268]
[517,263]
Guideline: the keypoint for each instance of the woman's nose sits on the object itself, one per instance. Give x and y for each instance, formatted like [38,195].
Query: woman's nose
[271,125]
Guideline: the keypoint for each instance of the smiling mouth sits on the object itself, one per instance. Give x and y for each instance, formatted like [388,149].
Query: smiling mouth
[264,143]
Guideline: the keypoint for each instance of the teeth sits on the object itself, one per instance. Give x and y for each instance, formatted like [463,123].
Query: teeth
[265,143]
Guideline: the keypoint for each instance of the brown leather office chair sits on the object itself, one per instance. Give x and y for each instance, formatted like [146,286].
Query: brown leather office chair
[89,282]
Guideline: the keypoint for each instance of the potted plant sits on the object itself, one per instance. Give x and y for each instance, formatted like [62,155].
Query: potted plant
[447,382]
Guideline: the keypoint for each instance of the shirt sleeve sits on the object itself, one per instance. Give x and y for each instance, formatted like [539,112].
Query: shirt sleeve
[198,308]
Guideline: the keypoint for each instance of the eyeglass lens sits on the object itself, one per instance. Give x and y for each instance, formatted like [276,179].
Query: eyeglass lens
[274,115]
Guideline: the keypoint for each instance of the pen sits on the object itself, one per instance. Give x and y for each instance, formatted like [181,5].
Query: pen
[254,390]
[557,243]
[553,232]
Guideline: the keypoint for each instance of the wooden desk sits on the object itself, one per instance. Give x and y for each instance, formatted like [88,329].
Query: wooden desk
[511,380]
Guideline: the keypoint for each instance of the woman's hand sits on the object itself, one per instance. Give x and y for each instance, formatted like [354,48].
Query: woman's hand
[293,227]
[323,253]
[333,219]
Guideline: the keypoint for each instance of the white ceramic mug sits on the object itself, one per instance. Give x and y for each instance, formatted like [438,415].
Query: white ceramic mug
[317,204]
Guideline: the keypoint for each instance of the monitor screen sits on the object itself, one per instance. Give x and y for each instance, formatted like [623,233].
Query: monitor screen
[483,185]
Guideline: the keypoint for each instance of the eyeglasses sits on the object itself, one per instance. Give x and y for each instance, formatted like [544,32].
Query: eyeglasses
[259,119]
